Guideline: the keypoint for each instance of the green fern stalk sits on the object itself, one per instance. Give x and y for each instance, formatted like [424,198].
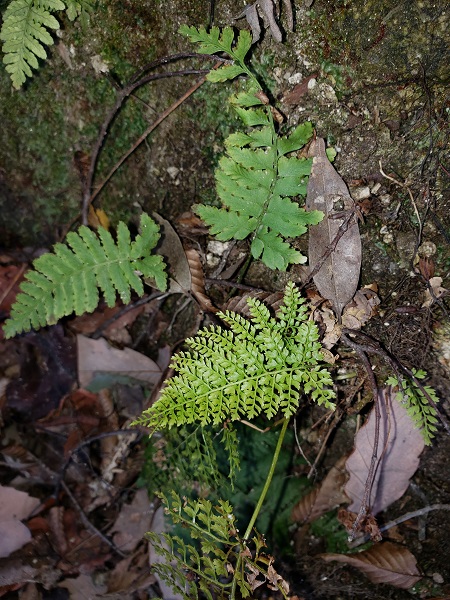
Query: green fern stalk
[68,280]
[25,32]
[256,180]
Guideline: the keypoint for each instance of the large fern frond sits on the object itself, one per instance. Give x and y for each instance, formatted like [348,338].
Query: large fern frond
[256,180]
[255,367]
[68,279]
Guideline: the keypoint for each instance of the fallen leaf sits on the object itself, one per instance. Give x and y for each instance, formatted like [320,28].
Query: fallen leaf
[399,447]
[171,248]
[383,563]
[198,280]
[337,279]
[295,96]
[361,308]
[98,357]
[434,292]
[133,522]
[323,497]
[14,506]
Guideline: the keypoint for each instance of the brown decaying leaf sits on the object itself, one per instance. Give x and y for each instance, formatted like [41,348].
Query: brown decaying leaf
[198,280]
[434,292]
[337,279]
[383,563]
[295,96]
[361,308]
[239,303]
[14,506]
[324,497]
[133,522]
[97,356]
[399,447]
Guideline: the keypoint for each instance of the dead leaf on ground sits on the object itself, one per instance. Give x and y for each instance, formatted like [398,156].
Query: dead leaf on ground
[97,357]
[383,563]
[363,306]
[239,304]
[133,522]
[198,280]
[337,279]
[14,506]
[399,447]
[324,497]
[434,292]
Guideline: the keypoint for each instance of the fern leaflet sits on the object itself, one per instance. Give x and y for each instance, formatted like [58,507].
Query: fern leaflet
[25,32]
[256,180]
[255,367]
[68,279]
[419,409]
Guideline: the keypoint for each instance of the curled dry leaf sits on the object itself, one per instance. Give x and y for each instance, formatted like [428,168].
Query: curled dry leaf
[399,447]
[434,292]
[361,308]
[324,497]
[198,280]
[338,232]
[383,563]
[239,303]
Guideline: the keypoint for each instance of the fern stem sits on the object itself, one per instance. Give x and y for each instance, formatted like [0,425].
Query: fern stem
[262,497]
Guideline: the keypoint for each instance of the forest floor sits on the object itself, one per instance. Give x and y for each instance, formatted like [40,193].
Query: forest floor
[77,481]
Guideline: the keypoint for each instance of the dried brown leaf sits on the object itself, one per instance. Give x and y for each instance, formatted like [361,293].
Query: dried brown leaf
[239,303]
[323,497]
[198,280]
[383,563]
[133,522]
[361,308]
[399,447]
[172,250]
[97,356]
[337,279]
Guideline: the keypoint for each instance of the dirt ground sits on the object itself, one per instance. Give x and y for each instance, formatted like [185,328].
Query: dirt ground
[373,78]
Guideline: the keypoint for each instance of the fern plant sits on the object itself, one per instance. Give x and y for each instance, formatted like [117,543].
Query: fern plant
[257,367]
[68,279]
[256,180]
[25,31]
[423,415]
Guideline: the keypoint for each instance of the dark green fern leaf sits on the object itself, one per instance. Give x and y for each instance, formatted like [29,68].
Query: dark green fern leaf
[68,280]
[258,366]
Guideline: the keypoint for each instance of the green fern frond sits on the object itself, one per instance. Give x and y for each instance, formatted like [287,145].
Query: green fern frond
[423,415]
[68,279]
[261,366]
[25,31]
[256,180]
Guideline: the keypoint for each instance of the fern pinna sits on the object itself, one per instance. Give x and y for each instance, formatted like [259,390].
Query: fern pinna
[257,366]
[256,179]
[67,280]
[25,30]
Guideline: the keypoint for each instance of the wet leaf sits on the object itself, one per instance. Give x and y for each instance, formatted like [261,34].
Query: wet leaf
[383,563]
[337,279]
[399,447]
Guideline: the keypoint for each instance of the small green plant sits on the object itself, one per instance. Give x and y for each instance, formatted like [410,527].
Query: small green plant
[256,179]
[25,31]
[257,367]
[68,279]
[416,403]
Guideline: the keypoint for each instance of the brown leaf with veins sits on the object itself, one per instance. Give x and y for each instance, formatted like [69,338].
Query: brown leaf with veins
[399,447]
[338,232]
[383,563]
[323,497]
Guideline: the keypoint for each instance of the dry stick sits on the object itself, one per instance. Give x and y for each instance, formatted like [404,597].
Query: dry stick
[365,502]
[406,517]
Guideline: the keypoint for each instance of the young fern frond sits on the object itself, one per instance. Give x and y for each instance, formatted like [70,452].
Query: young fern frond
[68,279]
[417,405]
[25,31]
[261,366]
[256,180]
[221,560]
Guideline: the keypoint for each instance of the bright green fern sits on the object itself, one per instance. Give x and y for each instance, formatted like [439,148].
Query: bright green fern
[416,403]
[255,367]
[68,279]
[256,179]
[25,31]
